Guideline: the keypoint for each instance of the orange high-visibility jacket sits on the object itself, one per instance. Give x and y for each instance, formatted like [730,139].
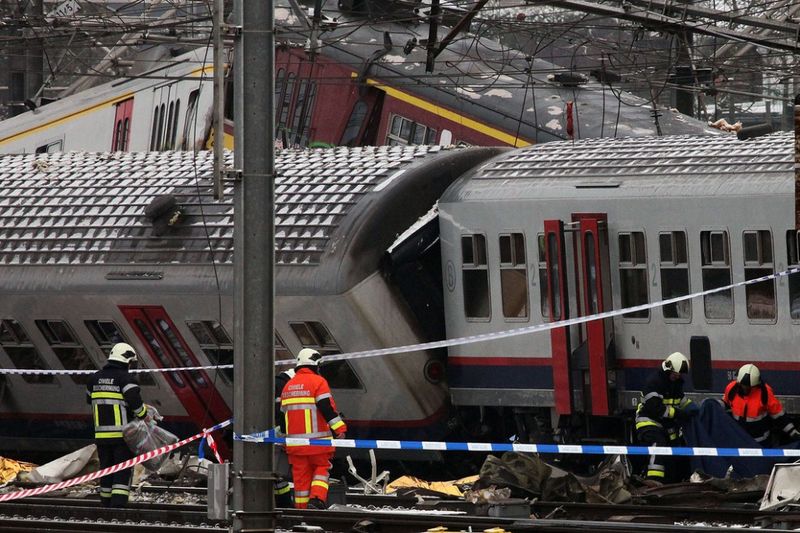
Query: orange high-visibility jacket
[309,412]
[758,412]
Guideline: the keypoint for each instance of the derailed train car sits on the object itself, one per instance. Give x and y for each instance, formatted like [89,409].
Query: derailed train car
[479,93]
[564,230]
[98,248]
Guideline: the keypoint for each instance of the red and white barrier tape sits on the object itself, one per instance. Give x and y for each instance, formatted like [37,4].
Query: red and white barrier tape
[16,495]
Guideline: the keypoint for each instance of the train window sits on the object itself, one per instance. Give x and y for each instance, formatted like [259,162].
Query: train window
[189,122]
[354,124]
[792,238]
[22,352]
[554,281]
[168,126]
[340,374]
[288,94]
[158,351]
[106,334]
[633,272]
[475,277]
[154,130]
[674,268]
[403,131]
[513,276]
[715,262]
[215,343]
[17,84]
[544,301]
[280,84]
[180,351]
[305,129]
[69,351]
[758,262]
[51,147]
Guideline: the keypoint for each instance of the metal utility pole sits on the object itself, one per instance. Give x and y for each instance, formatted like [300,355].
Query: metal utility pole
[797,162]
[254,375]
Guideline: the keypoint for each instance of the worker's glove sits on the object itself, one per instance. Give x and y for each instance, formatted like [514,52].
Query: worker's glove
[794,435]
[339,435]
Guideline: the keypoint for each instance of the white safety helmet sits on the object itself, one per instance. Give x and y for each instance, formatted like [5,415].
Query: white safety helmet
[749,375]
[122,352]
[676,362]
[308,357]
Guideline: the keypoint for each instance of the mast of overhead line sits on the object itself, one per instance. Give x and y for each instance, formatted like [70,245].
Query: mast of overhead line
[254,251]
[797,162]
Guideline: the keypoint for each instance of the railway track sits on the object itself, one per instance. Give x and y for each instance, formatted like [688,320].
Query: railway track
[385,514]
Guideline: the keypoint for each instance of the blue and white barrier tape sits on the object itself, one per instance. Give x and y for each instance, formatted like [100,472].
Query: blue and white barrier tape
[450,342]
[574,449]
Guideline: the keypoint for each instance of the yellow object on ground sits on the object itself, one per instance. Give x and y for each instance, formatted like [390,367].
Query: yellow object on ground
[444,487]
[9,468]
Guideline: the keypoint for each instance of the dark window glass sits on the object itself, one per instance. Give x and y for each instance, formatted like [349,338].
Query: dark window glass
[215,343]
[475,277]
[674,270]
[66,347]
[181,352]
[633,272]
[543,299]
[760,297]
[17,86]
[554,283]
[354,124]
[716,273]
[106,334]
[794,279]
[189,123]
[22,352]
[513,276]
[340,374]
[158,351]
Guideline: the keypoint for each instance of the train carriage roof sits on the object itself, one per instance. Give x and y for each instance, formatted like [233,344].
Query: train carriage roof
[635,167]
[480,77]
[90,208]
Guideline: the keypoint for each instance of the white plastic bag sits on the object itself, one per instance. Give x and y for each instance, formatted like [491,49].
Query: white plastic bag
[142,437]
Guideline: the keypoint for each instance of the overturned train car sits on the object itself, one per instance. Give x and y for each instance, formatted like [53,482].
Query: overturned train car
[98,248]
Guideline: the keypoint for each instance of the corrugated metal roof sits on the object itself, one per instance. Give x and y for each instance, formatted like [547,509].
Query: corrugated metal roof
[656,165]
[83,208]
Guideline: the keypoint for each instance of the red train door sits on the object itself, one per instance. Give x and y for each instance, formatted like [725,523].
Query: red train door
[579,251]
[596,287]
[558,301]
[122,126]
[167,349]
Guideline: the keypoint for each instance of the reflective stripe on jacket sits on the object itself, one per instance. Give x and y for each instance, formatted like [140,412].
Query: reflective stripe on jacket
[309,412]
[758,411]
[115,398]
[661,398]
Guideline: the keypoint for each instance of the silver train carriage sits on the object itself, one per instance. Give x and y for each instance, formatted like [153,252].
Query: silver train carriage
[566,230]
[96,248]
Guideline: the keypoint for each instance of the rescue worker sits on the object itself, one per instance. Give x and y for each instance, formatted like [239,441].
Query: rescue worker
[310,413]
[115,398]
[753,404]
[661,407]
[283,490]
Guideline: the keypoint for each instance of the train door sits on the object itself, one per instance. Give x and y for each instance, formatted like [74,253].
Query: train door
[120,140]
[581,354]
[167,349]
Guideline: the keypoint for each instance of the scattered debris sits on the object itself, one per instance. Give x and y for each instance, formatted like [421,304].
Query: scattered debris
[11,469]
[724,125]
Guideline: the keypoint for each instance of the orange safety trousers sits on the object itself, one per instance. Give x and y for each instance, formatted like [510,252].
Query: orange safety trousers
[310,473]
